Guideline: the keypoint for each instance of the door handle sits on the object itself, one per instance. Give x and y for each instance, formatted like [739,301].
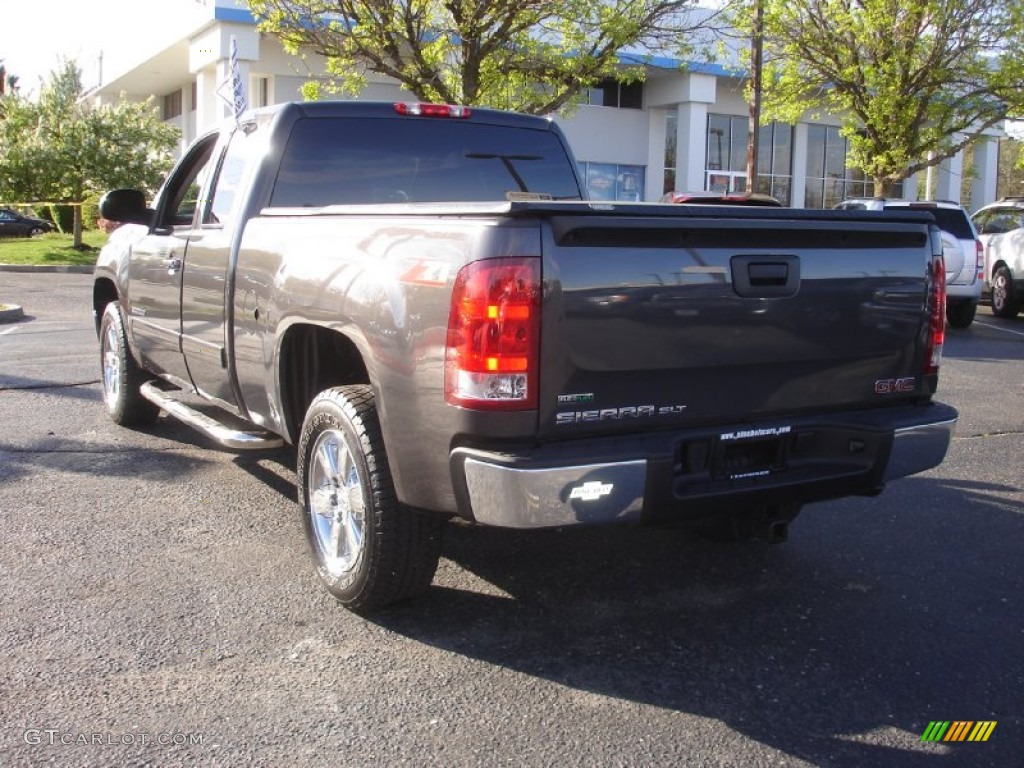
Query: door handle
[173,265]
[766,277]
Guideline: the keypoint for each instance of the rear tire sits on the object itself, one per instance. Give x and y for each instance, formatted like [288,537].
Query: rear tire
[368,549]
[122,377]
[1003,302]
[960,314]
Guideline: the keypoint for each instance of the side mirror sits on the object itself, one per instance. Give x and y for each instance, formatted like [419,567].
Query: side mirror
[127,205]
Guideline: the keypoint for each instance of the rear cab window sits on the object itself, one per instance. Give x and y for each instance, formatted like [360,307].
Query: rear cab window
[338,161]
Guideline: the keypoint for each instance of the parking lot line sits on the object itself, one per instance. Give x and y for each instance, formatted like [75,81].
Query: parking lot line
[1000,328]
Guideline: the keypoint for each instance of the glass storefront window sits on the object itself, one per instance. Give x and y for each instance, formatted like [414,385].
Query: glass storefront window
[726,164]
[829,181]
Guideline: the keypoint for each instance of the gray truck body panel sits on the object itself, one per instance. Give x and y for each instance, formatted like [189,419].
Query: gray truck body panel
[689,356]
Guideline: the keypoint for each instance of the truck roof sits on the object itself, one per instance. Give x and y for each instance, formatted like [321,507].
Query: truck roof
[351,108]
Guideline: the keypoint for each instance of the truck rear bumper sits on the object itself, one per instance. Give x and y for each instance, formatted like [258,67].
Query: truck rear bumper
[690,475]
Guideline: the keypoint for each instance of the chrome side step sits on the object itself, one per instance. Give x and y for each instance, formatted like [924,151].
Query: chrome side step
[223,434]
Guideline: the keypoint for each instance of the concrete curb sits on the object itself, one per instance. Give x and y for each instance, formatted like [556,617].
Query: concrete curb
[76,269]
[11,313]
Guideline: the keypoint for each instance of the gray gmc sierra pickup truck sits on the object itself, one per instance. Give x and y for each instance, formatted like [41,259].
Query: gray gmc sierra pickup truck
[420,299]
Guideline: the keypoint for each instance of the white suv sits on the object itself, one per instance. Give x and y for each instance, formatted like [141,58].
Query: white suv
[1001,228]
[961,250]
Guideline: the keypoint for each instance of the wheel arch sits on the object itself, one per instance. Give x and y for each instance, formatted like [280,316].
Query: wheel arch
[312,358]
[103,292]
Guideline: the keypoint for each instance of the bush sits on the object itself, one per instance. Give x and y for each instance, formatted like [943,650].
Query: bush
[90,212]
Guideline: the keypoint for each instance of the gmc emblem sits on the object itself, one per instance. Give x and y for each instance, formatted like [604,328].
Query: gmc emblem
[890,386]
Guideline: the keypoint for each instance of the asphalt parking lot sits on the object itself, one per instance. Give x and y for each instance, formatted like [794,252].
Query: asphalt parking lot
[159,608]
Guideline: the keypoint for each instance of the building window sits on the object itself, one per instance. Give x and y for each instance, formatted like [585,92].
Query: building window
[608,181]
[172,105]
[725,169]
[611,93]
[829,180]
[775,161]
[259,92]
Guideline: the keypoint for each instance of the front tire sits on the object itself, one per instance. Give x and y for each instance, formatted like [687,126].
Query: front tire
[1003,303]
[960,314]
[368,549]
[122,377]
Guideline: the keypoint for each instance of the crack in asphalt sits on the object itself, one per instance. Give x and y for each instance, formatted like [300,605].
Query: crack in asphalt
[96,452]
[26,387]
[982,435]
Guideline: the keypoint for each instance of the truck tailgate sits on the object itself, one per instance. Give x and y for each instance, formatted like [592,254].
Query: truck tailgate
[655,321]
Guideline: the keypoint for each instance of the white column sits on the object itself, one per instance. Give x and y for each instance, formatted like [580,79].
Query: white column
[208,106]
[691,139]
[986,172]
[948,177]
[799,187]
[656,119]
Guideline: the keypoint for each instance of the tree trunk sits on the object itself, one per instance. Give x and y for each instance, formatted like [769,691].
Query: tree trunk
[77,228]
[883,187]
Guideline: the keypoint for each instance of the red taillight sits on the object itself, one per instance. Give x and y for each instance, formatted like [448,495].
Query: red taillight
[419,109]
[936,315]
[979,261]
[494,335]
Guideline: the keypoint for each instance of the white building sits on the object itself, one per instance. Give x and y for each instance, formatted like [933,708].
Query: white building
[683,130]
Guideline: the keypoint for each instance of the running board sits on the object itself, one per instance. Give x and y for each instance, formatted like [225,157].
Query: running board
[223,434]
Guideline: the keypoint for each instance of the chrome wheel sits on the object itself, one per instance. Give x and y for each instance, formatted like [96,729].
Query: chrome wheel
[337,507]
[111,366]
[1003,303]
[122,378]
[369,550]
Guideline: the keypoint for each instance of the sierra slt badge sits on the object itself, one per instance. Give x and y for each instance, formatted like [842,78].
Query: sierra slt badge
[616,414]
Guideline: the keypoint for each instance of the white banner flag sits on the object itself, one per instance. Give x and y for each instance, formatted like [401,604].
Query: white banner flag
[231,90]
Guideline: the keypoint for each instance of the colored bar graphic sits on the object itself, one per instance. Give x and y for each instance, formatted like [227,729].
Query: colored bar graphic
[935,731]
[982,730]
[958,730]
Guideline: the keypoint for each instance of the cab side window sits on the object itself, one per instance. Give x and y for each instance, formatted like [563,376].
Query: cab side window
[242,153]
[181,196]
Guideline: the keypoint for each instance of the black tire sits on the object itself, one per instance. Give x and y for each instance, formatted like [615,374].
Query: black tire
[960,314]
[1003,302]
[122,377]
[368,549]
[36,232]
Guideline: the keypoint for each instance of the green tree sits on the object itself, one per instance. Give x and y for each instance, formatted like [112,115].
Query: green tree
[8,82]
[914,81]
[61,148]
[527,55]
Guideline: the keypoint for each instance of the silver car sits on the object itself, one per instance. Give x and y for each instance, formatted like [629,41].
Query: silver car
[961,249]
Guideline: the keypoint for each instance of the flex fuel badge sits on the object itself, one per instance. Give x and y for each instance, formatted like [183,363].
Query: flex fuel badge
[591,491]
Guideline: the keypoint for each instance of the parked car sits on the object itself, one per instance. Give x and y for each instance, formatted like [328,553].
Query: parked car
[1000,227]
[721,198]
[961,250]
[13,224]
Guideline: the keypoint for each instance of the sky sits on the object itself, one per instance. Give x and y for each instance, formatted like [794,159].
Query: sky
[61,28]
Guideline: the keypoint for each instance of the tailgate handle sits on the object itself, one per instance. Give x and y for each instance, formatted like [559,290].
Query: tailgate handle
[765,277]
